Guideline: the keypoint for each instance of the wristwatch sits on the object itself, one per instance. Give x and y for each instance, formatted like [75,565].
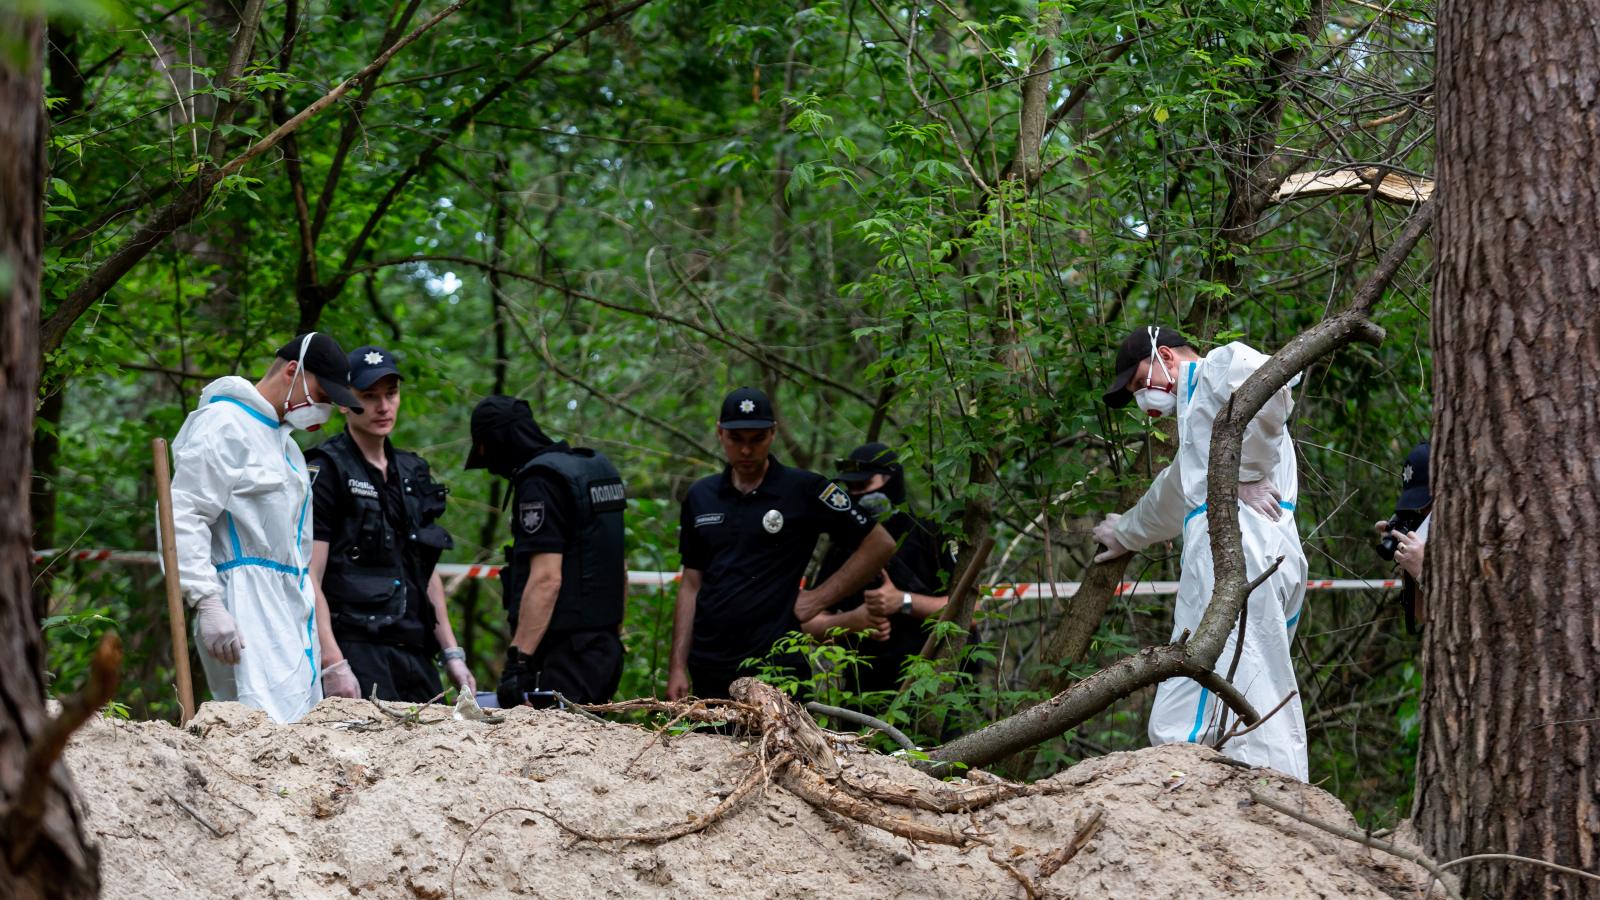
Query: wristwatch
[905,604]
[450,653]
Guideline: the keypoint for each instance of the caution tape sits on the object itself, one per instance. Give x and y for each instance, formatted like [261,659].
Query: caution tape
[636,578]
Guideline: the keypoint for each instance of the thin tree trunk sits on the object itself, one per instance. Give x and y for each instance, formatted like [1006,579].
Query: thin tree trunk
[43,849]
[1510,756]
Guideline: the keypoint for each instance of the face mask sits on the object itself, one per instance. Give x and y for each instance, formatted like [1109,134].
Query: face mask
[1157,401]
[875,504]
[307,415]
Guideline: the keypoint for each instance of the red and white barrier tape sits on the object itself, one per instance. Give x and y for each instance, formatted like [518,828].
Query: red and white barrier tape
[667,579]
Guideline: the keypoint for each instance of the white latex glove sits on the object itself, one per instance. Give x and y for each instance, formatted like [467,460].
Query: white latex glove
[1105,534]
[339,681]
[1409,553]
[461,676]
[1263,497]
[219,634]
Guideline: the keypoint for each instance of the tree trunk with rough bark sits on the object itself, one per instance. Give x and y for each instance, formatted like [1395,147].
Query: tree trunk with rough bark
[1510,756]
[43,851]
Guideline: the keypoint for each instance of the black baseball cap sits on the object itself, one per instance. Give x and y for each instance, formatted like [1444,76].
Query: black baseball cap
[326,360]
[1135,349]
[866,461]
[1414,492]
[746,407]
[370,363]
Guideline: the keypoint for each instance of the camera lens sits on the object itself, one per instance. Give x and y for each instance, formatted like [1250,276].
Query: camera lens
[1388,546]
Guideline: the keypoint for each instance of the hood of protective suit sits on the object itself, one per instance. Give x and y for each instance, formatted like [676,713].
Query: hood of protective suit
[240,390]
[504,435]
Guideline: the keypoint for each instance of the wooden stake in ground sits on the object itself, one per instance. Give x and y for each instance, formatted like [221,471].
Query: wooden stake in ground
[169,563]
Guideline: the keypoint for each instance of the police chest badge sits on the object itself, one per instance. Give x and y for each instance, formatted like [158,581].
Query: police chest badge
[772,521]
[835,497]
[530,516]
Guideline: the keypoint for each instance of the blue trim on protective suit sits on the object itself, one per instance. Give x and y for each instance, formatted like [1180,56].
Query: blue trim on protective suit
[1199,716]
[261,563]
[1202,508]
[233,536]
[1290,624]
[254,414]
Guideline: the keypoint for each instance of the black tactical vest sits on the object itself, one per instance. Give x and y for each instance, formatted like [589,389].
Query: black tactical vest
[365,579]
[594,574]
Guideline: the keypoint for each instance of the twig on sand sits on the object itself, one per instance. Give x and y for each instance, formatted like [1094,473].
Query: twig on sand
[215,831]
[1063,856]
[1361,838]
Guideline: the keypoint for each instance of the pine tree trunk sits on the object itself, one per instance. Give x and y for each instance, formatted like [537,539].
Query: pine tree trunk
[1510,759]
[43,852]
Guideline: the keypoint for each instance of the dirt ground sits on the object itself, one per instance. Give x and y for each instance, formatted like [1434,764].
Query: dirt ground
[347,803]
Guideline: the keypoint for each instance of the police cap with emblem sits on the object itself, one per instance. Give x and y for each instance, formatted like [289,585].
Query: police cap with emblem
[1135,349]
[746,407]
[1414,492]
[368,364]
[325,359]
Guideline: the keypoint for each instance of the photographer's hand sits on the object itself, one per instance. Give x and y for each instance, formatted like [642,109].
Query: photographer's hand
[1409,553]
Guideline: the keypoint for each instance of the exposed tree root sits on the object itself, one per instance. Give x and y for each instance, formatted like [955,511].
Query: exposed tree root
[816,790]
[756,775]
[818,766]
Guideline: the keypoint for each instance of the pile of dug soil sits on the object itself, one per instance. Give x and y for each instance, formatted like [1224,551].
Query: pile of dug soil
[351,803]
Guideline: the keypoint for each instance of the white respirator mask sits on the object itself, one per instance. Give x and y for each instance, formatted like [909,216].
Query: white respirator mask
[307,415]
[1157,401]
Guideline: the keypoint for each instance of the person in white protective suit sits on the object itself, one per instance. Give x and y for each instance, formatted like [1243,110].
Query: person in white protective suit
[242,526]
[1157,368]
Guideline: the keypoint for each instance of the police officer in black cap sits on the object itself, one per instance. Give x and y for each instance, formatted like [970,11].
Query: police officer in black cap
[375,542]
[746,536]
[566,577]
[912,588]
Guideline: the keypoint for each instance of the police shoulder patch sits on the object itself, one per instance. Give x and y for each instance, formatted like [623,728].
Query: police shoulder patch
[530,516]
[835,497]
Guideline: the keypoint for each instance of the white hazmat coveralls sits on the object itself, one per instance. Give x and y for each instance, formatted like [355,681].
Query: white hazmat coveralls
[1174,505]
[242,519]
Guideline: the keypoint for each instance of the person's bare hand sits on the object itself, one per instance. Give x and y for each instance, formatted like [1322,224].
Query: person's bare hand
[1409,552]
[677,684]
[883,600]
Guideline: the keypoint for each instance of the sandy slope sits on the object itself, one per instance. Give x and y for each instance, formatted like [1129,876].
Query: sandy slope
[318,809]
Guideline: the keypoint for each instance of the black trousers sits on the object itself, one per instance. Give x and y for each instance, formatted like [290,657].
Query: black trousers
[400,673]
[585,666]
[710,682]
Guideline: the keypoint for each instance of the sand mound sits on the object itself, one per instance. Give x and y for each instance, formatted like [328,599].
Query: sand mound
[238,807]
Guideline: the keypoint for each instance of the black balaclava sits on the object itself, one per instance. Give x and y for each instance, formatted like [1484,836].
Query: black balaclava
[504,436]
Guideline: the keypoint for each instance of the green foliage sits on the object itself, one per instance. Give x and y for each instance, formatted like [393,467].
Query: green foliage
[724,193]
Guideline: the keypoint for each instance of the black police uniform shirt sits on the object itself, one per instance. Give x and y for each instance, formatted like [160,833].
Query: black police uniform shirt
[542,517]
[923,563]
[330,504]
[752,550]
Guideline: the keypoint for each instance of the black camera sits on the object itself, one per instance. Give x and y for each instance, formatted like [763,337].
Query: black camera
[1405,521]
